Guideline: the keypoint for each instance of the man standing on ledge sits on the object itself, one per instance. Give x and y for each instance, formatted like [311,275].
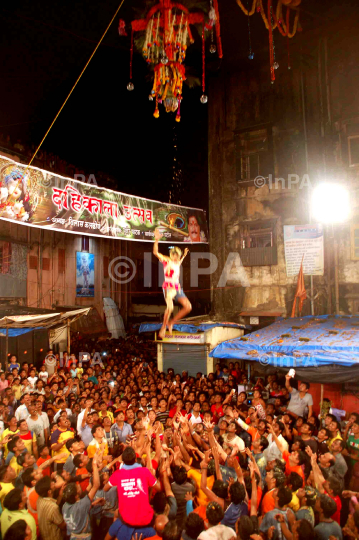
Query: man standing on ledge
[171,285]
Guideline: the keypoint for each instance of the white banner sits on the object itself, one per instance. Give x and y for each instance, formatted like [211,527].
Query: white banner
[304,242]
[181,337]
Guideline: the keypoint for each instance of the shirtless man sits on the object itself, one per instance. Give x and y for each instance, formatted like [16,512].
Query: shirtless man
[171,285]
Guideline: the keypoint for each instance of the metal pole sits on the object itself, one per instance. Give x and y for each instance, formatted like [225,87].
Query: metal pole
[6,347]
[336,273]
[68,337]
[307,171]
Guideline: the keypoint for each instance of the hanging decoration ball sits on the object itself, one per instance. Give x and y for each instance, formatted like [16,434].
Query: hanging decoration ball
[203,98]
[212,48]
[251,56]
[289,67]
[130,86]
[276,65]
[272,82]
[164,59]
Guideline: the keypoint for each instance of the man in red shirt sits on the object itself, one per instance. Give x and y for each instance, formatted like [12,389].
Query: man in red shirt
[177,409]
[133,483]
[217,409]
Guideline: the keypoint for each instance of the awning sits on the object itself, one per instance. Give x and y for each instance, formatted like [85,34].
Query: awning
[44,320]
[306,342]
[191,328]
[15,332]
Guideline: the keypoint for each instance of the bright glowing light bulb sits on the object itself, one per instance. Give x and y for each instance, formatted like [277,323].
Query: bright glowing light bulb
[330,203]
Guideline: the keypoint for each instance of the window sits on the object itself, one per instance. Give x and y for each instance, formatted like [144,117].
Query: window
[254,155]
[45,263]
[33,262]
[5,257]
[354,241]
[258,243]
[353,147]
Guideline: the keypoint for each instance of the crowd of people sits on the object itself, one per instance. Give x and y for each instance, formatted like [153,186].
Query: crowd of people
[105,446]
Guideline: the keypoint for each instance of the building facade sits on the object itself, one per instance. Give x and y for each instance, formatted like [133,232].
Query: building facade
[269,144]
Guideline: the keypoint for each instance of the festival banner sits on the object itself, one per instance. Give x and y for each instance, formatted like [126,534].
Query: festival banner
[304,243]
[38,198]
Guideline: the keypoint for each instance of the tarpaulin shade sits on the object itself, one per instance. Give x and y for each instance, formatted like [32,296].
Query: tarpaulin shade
[298,342]
[14,332]
[45,320]
[190,328]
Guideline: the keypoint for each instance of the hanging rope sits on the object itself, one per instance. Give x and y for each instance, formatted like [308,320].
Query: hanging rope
[66,100]
[74,86]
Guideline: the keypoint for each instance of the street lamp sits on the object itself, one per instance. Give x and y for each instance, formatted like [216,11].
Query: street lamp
[330,204]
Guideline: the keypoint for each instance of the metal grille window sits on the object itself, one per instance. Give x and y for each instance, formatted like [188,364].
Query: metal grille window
[5,257]
[258,243]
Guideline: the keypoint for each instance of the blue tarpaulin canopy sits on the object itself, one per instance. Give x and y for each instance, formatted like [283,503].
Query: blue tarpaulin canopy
[190,328]
[305,342]
[14,332]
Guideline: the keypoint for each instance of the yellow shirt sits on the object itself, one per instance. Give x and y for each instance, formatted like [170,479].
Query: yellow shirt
[17,391]
[202,499]
[108,414]
[6,487]
[14,465]
[57,437]
[294,503]
[8,518]
[80,372]
[6,432]
[29,441]
[94,446]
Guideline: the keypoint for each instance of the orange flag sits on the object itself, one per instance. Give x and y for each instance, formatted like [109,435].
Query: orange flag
[300,292]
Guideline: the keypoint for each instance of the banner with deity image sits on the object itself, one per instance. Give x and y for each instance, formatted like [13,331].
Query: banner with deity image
[85,274]
[38,198]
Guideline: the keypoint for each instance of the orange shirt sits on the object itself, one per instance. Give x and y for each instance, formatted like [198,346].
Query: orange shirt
[201,511]
[268,503]
[84,484]
[47,470]
[202,498]
[292,468]
[32,497]
[259,497]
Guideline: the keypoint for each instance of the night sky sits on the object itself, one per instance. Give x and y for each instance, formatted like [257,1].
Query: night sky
[104,127]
